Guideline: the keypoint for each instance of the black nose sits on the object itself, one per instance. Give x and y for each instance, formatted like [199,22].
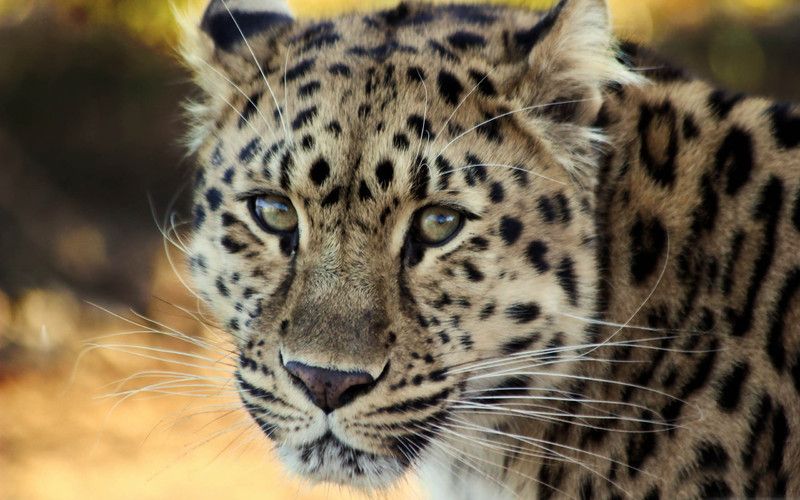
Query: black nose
[330,389]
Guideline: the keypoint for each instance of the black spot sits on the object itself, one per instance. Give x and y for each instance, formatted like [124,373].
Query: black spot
[214,198]
[400,141]
[497,193]
[757,426]
[419,181]
[450,87]
[490,128]
[527,39]
[510,229]
[768,210]
[415,74]
[702,371]
[287,164]
[537,256]
[566,278]
[562,207]
[796,215]
[735,157]
[473,14]
[473,273]
[523,313]
[334,128]
[785,127]
[464,40]
[775,339]
[722,103]
[333,197]
[307,142]
[250,150]
[300,69]
[653,494]
[520,176]
[250,108]
[484,84]
[231,245]
[690,129]
[715,488]
[518,344]
[443,51]
[730,390]
[309,89]
[198,216]
[546,209]
[364,192]
[339,69]
[711,456]
[487,311]
[648,243]
[322,40]
[304,117]
[660,165]
[385,174]
[705,215]
[221,287]
[381,52]
[420,126]
[780,436]
[320,171]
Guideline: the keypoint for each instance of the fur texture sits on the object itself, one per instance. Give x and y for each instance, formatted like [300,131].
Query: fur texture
[618,315]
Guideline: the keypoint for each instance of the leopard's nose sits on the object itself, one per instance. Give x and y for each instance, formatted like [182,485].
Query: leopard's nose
[330,389]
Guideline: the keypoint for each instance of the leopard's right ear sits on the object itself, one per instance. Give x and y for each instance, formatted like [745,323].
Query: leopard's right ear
[232,23]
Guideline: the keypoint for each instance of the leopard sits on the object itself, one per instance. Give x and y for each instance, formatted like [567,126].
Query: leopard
[499,249]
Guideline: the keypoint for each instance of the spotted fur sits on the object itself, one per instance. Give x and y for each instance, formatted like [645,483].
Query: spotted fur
[618,316]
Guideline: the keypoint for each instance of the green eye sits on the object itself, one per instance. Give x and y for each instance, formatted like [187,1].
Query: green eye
[437,225]
[275,214]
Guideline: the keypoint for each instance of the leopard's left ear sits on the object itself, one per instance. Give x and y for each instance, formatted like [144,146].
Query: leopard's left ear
[236,40]
[571,54]
[230,23]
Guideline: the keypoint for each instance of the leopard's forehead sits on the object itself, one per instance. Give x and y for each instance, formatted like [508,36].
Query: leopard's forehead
[398,106]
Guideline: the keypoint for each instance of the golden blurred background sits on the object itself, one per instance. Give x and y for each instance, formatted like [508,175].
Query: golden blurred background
[90,162]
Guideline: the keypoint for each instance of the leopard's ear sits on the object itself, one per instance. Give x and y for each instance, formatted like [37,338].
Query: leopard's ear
[231,23]
[237,40]
[570,55]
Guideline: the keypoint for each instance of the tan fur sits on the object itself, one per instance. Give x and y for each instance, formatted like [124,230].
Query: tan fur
[584,271]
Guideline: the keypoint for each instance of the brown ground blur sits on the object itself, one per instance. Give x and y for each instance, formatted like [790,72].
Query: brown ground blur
[89,128]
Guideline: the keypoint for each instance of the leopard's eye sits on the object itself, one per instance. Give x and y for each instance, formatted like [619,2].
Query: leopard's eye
[275,214]
[437,225]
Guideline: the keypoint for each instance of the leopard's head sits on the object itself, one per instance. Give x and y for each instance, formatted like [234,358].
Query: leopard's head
[394,217]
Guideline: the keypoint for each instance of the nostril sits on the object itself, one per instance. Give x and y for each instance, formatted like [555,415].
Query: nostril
[330,389]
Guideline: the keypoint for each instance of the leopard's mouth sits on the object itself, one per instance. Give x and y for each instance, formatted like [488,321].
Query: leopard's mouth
[328,459]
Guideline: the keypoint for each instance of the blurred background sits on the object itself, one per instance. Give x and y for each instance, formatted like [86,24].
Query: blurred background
[90,163]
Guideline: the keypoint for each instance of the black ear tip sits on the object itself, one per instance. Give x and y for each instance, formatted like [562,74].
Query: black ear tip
[230,28]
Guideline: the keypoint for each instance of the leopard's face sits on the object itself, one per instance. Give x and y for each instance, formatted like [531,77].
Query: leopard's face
[395,236]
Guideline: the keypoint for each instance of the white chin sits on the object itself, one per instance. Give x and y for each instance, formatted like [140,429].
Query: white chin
[329,461]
